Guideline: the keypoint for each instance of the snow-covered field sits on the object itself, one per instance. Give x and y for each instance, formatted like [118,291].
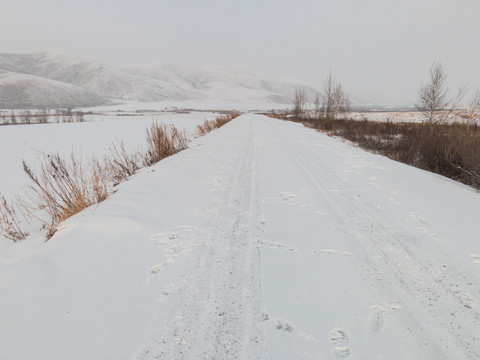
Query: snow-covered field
[263,240]
[93,137]
[392,116]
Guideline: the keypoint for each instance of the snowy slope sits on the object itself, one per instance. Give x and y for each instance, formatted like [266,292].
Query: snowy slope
[264,240]
[223,82]
[158,82]
[19,91]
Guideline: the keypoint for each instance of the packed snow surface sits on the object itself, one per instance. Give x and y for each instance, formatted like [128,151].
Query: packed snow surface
[264,240]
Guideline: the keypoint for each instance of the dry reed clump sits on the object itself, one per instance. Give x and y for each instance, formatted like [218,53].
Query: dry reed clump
[62,188]
[163,141]
[451,150]
[9,223]
[209,125]
[119,165]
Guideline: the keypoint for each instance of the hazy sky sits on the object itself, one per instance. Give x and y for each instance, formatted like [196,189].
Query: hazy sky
[378,49]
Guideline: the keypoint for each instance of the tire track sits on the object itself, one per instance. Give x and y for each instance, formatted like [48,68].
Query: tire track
[385,252]
[216,318]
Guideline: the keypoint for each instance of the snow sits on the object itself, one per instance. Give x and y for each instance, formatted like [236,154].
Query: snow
[19,91]
[95,136]
[96,83]
[391,116]
[263,240]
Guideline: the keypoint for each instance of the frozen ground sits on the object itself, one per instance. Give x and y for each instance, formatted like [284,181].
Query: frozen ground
[264,240]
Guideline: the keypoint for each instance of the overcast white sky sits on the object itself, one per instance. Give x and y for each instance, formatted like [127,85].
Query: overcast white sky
[380,49]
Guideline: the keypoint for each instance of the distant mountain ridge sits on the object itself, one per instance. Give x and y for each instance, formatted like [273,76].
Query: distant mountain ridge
[52,79]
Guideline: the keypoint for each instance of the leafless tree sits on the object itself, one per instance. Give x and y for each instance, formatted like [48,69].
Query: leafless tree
[433,101]
[317,105]
[334,99]
[67,115]
[26,117]
[299,103]
[79,116]
[13,119]
[42,116]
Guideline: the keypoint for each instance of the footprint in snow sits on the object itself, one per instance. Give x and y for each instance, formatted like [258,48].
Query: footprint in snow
[155,269]
[419,218]
[164,238]
[376,319]
[394,201]
[339,340]
[169,289]
[285,196]
[286,327]
[465,299]
[283,326]
[475,258]
[279,324]
[281,246]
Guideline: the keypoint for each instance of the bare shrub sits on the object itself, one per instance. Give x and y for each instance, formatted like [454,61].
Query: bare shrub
[471,114]
[9,223]
[299,103]
[163,141]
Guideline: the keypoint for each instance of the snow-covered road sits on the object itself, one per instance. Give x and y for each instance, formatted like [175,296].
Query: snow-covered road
[264,240]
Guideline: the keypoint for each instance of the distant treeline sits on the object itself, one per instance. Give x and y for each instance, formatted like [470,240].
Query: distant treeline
[43,116]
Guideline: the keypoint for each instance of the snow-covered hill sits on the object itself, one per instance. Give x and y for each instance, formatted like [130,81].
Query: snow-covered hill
[148,83]
[19,91]
[264,240]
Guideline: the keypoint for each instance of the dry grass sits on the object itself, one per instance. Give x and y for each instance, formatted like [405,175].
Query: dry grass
[63,187]
[120,164]
[209,125]
[451,150]
[163,141]
[9,223]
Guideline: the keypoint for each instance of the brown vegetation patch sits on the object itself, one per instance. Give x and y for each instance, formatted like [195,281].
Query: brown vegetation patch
[448,149]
